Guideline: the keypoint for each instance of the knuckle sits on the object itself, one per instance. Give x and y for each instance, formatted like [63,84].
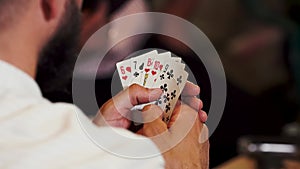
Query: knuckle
[134,87]
[134,93]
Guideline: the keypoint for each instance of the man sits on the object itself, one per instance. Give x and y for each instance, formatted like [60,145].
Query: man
[36,133]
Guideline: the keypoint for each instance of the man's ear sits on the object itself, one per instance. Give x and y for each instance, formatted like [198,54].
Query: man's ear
[52,8]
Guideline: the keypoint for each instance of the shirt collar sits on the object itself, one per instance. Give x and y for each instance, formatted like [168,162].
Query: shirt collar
[17,82]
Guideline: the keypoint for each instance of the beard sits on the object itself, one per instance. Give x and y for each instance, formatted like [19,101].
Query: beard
[57,58]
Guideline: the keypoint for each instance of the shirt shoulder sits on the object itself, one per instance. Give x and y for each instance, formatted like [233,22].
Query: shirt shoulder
[53,134]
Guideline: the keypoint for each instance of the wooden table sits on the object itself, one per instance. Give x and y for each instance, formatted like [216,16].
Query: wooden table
[243,162]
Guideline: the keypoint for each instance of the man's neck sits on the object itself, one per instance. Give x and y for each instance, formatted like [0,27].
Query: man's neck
[19,51]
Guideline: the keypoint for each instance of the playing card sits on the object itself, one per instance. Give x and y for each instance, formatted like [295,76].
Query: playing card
[168,71]
[153,70]
[156,68]
[149,69]
[166,61]
[177,59]
[181,79]
[169,98]
[139,64]
[124,70]
[175,69]
[180,75]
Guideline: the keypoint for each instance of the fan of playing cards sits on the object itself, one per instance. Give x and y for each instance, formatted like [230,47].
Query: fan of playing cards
[156,70]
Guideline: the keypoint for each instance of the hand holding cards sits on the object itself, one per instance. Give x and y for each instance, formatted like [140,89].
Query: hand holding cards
[154,70]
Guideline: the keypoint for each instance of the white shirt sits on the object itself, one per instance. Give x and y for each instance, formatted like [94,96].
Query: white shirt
[38,134]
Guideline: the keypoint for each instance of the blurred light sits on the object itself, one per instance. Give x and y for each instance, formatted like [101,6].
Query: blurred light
[252,148]
[277,148]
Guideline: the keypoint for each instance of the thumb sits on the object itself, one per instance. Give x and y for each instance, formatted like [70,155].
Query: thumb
[134,95]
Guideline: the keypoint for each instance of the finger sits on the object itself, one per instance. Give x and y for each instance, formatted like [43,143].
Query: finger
[156,126]
[175,114]
[197,105]
[139,95]
[133,95]
[190,89]
[116,111]
[140,132]
[184,115]
[193,102]
[203,116]
[151,113]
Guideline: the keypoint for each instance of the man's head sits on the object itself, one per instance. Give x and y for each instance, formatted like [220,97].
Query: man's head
[9,9]
[39,32]
[41,36]
[58,55]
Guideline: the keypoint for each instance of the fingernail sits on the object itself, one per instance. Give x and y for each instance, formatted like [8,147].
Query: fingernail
[204,134]
[155,93]
[203,117]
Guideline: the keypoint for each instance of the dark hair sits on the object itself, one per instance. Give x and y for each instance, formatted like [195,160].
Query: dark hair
[91,5]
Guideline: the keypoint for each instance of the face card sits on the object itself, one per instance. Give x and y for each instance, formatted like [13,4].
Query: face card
[124,70]
[139,65]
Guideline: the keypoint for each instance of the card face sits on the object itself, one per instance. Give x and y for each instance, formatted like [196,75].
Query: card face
[181,79]
[156,68]
[180,75]
[177,59]
[167,101]
[166,61]
[124,70]
[149,70]
[153,70]
[139,64]
[168,72]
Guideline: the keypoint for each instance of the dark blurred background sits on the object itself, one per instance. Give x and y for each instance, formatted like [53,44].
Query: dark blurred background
[259,44]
